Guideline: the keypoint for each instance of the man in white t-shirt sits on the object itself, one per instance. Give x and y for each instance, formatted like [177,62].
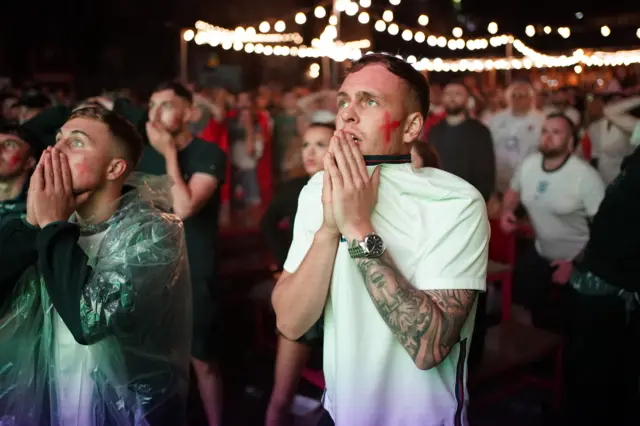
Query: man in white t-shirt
[561,193]
[515,131]
[394,261]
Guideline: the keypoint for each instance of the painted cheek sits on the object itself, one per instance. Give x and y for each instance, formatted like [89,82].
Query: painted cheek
[15,160]
[389,127]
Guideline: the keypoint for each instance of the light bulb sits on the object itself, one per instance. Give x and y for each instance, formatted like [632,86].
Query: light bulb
[457,32]
[279,26]
[492,28]
[423,20]
[264,27]
[387,15]
[363,18]
[319,12]
[301,18]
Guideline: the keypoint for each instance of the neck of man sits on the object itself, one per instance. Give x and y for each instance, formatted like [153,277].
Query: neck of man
[183,138]
[553,163]
[100,205]
[520,112]
[455,119]
[11,188]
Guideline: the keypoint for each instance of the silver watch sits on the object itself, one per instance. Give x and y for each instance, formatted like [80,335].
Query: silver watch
[371,247]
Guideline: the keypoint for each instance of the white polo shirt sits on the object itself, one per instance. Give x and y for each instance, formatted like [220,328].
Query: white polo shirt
[560,204]
[436,229]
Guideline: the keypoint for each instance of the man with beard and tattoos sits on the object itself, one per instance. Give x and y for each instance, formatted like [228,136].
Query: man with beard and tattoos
[197,169]
[391,257]
[561,193]
[18,153]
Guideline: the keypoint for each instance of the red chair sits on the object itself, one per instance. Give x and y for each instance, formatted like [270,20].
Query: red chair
[510,346]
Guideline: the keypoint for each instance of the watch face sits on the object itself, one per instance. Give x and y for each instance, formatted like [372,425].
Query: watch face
[374,246]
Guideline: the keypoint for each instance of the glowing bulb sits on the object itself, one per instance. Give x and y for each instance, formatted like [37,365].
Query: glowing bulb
[394,2]
[301,18]
[365,3]
[268,50]
[393,29]
[250,32]
[638,33]
[605,31]
[237,46]
[492,28]
[381,26]
[387,15]
[432,40]
[264,27]
[188,35]
[333,20]
[248,48]
[423,20]
[577,69]
[457,32]
[279,26]
[451,44]
[363,18]
[319,12]
[341,5]
[352,9]
[530,30]
[412,59]
[442,41]
[419,37]
[407,35]
[547,30]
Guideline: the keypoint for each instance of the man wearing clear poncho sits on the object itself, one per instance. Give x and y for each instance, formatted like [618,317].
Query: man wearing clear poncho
[95,294]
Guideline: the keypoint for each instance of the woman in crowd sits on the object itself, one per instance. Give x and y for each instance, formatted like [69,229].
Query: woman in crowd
[291,356]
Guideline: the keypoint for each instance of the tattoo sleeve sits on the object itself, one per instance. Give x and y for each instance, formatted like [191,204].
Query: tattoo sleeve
[426,323]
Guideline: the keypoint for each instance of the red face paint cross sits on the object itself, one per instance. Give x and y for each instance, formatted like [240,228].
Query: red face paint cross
[389,127]
[15,160]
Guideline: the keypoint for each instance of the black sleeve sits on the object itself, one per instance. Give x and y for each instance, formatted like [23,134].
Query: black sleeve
[277,240]
[64,267]
[210,159]
[485,164]
[17,253]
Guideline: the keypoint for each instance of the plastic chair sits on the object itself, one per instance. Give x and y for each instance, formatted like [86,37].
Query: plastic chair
[510,346]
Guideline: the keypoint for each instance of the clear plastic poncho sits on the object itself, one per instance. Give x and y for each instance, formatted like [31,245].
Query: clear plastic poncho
[136,319]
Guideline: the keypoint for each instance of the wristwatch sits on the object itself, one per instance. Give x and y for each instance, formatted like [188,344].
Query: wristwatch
[371,247]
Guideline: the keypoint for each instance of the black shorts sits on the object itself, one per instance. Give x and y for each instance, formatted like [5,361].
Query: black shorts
[206,339]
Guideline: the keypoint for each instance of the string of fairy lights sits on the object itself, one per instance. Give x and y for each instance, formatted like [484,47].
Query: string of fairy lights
[279,43]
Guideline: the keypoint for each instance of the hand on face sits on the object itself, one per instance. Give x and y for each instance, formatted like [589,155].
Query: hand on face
[160,138]
[51,197]
[353,194]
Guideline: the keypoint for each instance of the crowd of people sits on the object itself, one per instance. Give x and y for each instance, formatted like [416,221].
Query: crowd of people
[110,212]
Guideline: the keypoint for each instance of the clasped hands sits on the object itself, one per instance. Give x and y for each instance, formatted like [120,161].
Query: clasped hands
[349,194]
[51,198]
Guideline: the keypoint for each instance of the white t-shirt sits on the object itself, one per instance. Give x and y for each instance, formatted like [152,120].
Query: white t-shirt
[74,362]
[559,203]
[610,145]
[436,229]
[514,137]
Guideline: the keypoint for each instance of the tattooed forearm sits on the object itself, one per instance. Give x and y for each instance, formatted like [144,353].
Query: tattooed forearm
[426,323]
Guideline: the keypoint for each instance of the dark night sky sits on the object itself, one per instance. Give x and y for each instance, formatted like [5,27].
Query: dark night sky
[111,42]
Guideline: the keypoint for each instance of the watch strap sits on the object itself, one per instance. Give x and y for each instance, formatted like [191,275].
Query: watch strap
[356,252]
